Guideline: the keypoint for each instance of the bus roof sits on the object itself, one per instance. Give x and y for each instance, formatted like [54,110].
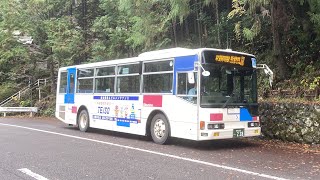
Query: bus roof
[176,52]
[157,54]
[167,53]
[223,50]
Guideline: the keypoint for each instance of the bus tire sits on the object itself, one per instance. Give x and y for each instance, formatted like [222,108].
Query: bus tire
[83,120]
[160,129]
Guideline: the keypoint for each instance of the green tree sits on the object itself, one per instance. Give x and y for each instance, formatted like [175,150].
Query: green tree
[279,17]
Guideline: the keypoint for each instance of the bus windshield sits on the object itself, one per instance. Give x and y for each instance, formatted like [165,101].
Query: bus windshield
[228,86]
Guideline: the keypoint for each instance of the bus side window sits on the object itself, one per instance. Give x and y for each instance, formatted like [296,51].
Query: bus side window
[104,79]
[71,87]
[187,86]
[158,76]
[63,82]
[182,83]
[104,85]
[128,78]
[85,80]
[158,83]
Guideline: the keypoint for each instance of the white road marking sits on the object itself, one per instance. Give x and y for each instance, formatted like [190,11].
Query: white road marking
[153,152]
[32,174]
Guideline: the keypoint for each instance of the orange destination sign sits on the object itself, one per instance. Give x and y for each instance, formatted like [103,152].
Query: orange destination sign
[231,59]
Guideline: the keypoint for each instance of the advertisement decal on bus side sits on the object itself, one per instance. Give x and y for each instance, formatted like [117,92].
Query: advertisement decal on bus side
[121,109]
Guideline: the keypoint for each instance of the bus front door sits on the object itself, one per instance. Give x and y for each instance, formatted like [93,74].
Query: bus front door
[69,96]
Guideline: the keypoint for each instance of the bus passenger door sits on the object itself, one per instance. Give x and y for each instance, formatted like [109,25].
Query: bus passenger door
[70,108]
[69,96]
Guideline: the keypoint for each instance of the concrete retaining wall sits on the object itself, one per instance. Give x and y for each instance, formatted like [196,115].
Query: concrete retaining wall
[295,122]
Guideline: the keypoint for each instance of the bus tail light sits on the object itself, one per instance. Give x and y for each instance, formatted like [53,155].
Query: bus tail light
[202,125]
[216,117]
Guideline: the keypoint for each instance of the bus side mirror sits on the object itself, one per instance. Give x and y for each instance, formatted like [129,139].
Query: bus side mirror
[205,73]
[267,71]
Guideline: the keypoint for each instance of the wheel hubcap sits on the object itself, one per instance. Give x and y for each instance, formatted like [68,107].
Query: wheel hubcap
[159,128]
[83,121]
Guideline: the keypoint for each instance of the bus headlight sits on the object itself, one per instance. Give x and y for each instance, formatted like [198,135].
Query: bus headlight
[216,126]
[253,124]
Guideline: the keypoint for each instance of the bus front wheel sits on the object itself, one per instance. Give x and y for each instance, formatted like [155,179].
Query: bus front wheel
[160,129]
[83,121]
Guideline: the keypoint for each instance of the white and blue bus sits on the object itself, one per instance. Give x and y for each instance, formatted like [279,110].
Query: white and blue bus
[196,94]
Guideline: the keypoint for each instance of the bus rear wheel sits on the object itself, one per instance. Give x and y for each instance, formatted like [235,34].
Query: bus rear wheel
[159,128]
[83,120]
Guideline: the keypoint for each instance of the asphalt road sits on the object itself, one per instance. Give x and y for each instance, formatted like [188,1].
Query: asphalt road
[48,149]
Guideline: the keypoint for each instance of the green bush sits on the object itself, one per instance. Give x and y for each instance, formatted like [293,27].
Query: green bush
[46,106]
[6,90]
[25,103]
[48,112]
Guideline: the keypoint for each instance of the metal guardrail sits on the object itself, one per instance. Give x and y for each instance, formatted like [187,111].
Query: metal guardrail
[5,110]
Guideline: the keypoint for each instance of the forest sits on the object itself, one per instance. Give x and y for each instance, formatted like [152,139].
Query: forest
[39,36]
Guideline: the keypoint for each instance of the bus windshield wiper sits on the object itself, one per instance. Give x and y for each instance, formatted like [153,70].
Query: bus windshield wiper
[229,97]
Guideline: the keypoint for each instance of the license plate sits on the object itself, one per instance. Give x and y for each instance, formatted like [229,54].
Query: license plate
[238,133]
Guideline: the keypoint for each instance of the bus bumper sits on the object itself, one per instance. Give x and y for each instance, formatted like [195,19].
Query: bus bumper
[228,133]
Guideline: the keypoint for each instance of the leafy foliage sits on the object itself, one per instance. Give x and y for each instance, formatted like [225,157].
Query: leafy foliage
[285,34]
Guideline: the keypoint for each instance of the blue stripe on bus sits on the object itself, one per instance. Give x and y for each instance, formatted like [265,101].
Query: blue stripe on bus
[245,115]
[109,118]
[130,98]
[182,64]
[124,124]
[134,121]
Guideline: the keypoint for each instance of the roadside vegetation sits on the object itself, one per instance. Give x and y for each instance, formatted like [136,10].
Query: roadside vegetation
[39,36]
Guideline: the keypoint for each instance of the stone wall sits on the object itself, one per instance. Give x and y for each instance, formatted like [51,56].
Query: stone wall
[295,122]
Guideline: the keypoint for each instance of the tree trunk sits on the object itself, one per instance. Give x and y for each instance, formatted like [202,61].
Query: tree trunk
[199,29]
[218,22]
[85,35]
[50,68]
[278,59]
[187,32]
[52,76]
[174,29]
